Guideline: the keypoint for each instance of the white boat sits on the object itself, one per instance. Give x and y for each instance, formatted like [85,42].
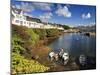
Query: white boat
[82,59]
[59,56]
[65,58]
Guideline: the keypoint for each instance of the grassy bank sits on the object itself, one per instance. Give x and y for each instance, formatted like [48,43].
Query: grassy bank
[47,35]
[29,47]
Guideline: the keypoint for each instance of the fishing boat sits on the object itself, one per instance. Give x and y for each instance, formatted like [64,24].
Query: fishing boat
[65,58]
[59,56]
[82,60]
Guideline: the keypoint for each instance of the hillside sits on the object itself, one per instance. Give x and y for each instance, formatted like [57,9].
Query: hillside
[91,28]
[23,41]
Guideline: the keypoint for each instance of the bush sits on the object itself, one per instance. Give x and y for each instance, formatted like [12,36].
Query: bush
[26,34]
[52,32]
[20,65]
[17,45]
[23,40]
[41,32]
[66,27]
[44,33]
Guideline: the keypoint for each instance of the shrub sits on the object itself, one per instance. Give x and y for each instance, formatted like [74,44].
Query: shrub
[20,65]
[52,32]
[44,33]
[66,27]
[26,34]
[41,32]
[17,45]
[23,39]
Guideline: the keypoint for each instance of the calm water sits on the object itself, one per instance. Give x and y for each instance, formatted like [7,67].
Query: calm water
[75,44]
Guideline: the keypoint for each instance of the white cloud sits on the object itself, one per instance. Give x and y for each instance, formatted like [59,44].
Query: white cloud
[92,23]
[17,6]
[63,11]
[27,14]
[46,16]
[27,7]
[43,6]
[86,16]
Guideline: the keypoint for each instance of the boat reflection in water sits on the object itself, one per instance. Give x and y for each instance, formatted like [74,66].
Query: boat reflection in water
[81,49]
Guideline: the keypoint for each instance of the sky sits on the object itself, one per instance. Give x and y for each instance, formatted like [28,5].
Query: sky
[65,14]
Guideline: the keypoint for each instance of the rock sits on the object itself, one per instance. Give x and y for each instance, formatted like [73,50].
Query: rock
[36,56]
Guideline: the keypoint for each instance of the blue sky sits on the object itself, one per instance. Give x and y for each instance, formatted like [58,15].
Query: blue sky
[67,14]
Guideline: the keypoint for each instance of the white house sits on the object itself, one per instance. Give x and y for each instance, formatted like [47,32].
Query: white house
[18,18]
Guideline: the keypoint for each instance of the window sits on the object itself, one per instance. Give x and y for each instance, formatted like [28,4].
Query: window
[17,21]
[17,16]
[24,22]
[29,23]
[24,18]
[20,17]
[21,22]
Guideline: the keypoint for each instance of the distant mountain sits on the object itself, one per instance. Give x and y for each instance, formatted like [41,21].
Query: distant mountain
[89,28]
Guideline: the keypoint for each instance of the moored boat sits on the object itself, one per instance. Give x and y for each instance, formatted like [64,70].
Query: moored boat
[82,60]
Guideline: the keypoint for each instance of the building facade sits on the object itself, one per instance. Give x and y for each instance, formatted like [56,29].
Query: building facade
[18,18]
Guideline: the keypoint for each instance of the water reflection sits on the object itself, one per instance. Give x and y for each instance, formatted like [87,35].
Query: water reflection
[76,44]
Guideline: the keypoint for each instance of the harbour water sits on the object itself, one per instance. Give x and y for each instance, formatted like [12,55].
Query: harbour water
[77,44]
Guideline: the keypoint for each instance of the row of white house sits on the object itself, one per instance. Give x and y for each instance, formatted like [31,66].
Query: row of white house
[18,18]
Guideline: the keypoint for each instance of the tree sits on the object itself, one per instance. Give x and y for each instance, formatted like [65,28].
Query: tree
[66,27]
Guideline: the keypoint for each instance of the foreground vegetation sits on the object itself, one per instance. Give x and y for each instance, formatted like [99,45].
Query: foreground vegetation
[21,65]
[28,46]
[23,41]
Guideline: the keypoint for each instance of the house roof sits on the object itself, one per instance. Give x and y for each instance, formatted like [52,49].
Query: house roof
[28,18]
[15,10]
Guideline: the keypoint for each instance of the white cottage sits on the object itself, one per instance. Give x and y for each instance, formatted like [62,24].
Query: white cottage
[18,18]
